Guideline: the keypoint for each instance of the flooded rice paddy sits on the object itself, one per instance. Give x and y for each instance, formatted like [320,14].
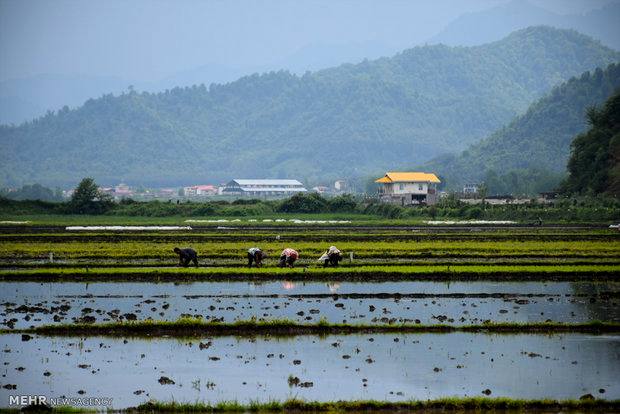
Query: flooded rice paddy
[350,367]
[29,304]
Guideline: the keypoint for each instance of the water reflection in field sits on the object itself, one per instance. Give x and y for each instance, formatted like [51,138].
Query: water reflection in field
[32,304]
[384,367]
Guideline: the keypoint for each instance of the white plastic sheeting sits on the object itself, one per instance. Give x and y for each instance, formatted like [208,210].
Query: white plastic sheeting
[126,228]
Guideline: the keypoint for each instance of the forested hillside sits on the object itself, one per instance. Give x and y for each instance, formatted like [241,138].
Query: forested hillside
[342,122]
[530,154]
[594,163]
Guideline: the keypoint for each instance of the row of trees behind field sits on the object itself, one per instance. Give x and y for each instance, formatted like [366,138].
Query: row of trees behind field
[88,201]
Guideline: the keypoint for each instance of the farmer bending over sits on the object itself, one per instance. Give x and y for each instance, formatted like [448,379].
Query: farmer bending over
[256,255]
[288,257]
[186,255]
[331,257]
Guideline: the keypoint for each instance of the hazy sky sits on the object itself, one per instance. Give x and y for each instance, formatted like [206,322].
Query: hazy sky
[149,39]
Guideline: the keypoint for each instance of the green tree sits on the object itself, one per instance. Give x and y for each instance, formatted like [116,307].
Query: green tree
[595,159]
[34,192]
[342,204]
[304,203]
[89,199]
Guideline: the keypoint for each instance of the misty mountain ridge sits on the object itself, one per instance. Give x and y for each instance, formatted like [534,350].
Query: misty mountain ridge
[489,25]
[27,98]
[347,121]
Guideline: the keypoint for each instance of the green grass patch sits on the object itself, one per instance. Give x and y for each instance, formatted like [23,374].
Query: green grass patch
[368,273]
[311,250]
[442,404]
[189,327]
[451,404]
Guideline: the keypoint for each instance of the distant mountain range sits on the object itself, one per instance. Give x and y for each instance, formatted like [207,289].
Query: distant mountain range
[348,121]
[489,25]
[537,140]
[27,98]
[31,97]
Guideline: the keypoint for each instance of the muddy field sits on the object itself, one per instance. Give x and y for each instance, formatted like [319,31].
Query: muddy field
[390,276]
[32,304]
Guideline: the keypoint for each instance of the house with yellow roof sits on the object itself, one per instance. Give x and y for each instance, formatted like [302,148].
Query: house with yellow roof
[408,188]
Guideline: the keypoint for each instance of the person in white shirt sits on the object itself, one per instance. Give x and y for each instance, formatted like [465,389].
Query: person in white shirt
[255,255]
[331,257]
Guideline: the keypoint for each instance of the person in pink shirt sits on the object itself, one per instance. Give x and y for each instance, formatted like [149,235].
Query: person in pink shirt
[288,257]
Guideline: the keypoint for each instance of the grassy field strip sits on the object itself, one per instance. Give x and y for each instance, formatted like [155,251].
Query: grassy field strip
[331,270]
[357,219]
[368,273]
[438,405]
[337,296]
[327,237]
[188,327]
[360,249]
[239,257]
[237,262]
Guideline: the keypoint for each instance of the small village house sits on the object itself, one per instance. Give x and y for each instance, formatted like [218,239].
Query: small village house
[471,188]
[200,190]
[122,190]
[118,192]
[408,188]
[340,186]
[321,189]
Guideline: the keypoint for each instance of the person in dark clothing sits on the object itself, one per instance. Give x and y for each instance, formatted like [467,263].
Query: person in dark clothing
[186,255]
[256,255]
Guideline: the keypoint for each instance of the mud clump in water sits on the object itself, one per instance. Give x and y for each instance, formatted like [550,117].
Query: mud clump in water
[87,319]
[130,316]
[296,382]
[165,381]
[293,381]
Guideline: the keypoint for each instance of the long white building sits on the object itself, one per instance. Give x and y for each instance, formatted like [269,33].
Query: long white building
[262,187]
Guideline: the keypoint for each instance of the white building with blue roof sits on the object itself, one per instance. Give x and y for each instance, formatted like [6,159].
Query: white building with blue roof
[263,187]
